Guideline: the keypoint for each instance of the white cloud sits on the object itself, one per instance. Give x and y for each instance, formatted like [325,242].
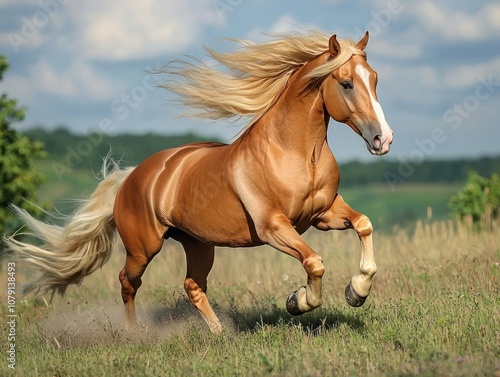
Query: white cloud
[284,24]
[4,39]
[18,87]
[32,24]
[47,80]
[139,29]
[455,25]
[287,23]
[468,75]
[394,49]
[21,39]
[79,80]
[400,77]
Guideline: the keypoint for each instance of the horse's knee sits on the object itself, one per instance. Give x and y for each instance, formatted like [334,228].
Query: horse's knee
[363,226]
[314,266]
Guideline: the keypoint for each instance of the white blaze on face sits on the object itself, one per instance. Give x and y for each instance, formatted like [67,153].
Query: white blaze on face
[386,136]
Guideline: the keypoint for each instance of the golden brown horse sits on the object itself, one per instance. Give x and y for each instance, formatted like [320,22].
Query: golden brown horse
[268,187]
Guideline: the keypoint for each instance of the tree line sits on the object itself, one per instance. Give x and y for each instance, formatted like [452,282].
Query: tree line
[429,171]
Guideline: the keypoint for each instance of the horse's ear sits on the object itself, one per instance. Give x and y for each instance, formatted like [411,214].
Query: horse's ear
[363,41]
[333,46]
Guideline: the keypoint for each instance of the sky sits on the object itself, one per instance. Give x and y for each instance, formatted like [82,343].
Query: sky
[84,65]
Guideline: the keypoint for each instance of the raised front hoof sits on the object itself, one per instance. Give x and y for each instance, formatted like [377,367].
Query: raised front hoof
[352,297]
[292,304]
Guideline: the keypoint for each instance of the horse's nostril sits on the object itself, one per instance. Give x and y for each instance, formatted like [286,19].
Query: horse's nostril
[377,142]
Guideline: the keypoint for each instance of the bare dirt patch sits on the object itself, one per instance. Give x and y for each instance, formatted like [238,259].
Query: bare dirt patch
[103,322]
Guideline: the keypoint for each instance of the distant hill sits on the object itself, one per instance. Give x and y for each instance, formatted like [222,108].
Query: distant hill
[87,151]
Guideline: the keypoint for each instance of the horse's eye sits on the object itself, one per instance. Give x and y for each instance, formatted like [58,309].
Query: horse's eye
[346,85]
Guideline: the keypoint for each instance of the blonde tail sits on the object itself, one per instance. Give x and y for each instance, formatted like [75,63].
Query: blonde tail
[81,246]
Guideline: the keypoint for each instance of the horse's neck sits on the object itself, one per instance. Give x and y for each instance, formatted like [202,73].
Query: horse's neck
[297,122]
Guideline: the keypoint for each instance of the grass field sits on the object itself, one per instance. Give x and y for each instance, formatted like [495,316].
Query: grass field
[434,311]
[404,206]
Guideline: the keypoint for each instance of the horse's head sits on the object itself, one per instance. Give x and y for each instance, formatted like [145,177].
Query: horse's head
[350,97]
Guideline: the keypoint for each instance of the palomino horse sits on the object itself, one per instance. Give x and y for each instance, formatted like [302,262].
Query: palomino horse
[277,179]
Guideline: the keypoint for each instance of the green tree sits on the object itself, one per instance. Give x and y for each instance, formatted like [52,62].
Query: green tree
[19,179]
[480,196]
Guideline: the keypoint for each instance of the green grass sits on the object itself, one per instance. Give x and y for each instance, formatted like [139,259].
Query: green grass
[402,207]
[62,188]
[433,311]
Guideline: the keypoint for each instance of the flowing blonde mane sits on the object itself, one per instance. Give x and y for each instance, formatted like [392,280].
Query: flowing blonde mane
[254,75]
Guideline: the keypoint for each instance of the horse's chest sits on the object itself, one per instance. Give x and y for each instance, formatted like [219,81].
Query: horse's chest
[316,196]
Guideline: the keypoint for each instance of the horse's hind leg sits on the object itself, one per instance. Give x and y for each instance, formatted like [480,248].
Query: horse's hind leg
[130,279]
[200,259]
[139,254]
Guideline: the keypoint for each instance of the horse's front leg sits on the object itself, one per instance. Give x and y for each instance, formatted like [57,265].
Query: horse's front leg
[341,216]
[280,234]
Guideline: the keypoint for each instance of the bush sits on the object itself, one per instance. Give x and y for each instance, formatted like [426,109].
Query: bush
[479,197]
[18,176]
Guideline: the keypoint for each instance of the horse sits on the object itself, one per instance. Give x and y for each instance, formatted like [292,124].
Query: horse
[273,182]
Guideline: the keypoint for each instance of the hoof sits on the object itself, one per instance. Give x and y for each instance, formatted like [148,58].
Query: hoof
[352,297]
[292,304]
